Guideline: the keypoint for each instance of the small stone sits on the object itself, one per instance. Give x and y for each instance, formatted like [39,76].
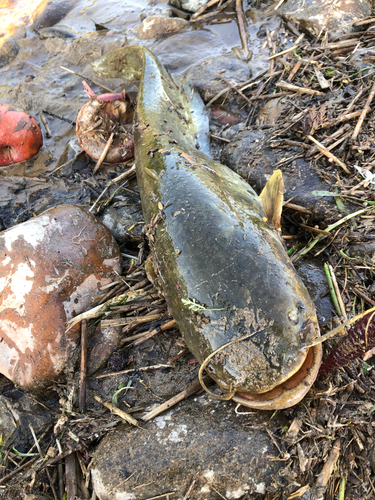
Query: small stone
[271,111]
[52,268]
[156,26]
[8,51]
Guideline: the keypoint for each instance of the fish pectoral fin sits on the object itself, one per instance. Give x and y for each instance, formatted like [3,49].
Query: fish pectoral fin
[272,198]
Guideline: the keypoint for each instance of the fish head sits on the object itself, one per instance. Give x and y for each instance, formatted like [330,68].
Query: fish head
[268,364]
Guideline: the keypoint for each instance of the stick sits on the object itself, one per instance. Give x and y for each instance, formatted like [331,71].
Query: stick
[43,119]
[342,118]
[19,469]
[82,389]
[282,53]
[42,457]
[141,369]
[71,477]
[363,113]
[327,153]
[233,87]
[71,122]
[162,328]
[89,79]
[104,153]
[114,409]
[326,473]
[242,27]
[202,9]
[121,177]
[337,290]
[301,90]
[192,389]
[60,471]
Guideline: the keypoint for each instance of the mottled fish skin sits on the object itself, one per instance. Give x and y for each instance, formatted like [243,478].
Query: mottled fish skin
[210,242]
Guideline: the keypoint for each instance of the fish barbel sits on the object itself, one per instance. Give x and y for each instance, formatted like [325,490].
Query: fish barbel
[228,282]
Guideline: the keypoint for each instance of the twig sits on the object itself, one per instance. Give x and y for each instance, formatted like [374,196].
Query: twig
[133,320]
[43,119]
[120,178]
[202,9]
[190,490]
[88,79]
[71,477]
[329,155]
[233,87]
[42,457]
[338,294]
[331,288]
[242,27]
[137,369]
[104,153]
[282,53]
[60,471]
[114,409]
[162,328]
[19,469]
[341,118]
[82,388]
[192,389]
[328,467]
[71,122]
[301,90]
[363,113]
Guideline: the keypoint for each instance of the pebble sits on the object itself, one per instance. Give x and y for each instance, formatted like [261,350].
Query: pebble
[157,26]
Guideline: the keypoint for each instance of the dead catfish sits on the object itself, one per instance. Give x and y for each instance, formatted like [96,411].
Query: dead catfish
[228,282]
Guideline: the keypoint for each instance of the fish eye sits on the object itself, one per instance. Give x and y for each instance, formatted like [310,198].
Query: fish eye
[293,316]
[210,368]
[301,307]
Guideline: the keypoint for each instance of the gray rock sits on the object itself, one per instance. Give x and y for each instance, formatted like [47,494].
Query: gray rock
[50,12]
[204,74]
[250,157]
[125,222]
[8,51]
[16,413]
[201,439]
[313,16]
[363,61]
[314,278]
[181,50]
[189,5]
[363,251]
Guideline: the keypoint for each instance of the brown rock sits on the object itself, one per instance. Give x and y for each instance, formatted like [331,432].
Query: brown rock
[271,111]
[156,26]
[52,267]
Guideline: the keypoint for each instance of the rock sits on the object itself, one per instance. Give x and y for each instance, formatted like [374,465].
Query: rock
[201,439]
[8,51]
[17,412]
[57,32]
[52,268]
[363,251]
[101,345]
[250,157]
[125,222]
[204,74]
[314,278]
[271,111]
[175,55]
[50,12]
[363,61]
[190,5]
[156,26]
[313,16]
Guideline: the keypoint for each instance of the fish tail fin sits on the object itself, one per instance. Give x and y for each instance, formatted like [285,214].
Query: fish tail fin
[272,198]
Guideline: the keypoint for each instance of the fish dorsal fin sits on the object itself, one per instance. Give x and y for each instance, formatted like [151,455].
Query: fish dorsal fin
[272,198]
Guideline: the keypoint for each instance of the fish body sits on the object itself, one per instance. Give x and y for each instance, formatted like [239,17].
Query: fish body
[226,277]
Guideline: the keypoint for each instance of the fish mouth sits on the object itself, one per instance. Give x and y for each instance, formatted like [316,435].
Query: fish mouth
[289,392]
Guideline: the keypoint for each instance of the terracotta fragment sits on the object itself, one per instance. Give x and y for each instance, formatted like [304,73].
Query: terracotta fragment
[52,267]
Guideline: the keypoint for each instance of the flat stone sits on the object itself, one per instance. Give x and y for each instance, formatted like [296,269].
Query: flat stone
[201,439]
[50,12]
[204,74]
[156,26]
[313,16]
[52,268]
